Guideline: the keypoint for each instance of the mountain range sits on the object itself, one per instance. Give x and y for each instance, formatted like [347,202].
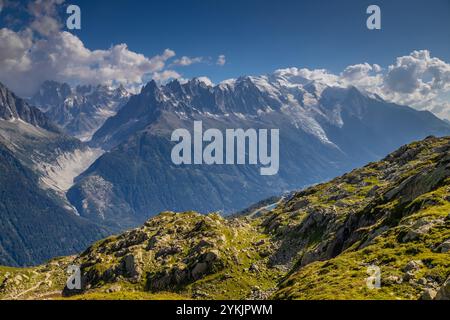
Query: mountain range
[318,243]
[122,173]
[324,131]
[36,220]
[79,111]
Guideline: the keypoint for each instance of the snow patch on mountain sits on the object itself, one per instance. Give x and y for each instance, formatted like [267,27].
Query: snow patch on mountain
[60,174]
[80,111]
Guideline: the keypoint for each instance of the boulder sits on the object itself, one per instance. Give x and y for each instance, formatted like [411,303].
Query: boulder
[372,192]
[168,251]
[428,294]
[409,276]
[167,279]
[413,266]
[415,232]
[444,247]
[129,267]
[210,256]
[444,291]
[391,280]
[199,270]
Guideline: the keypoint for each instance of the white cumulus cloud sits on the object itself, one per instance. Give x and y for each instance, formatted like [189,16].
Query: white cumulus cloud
[417,80]
[221,60]
[41,51]
[27,61]
[187,61]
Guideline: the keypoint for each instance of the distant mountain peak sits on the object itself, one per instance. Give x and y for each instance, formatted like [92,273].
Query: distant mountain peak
[81,110]
[14,108]
[150,87]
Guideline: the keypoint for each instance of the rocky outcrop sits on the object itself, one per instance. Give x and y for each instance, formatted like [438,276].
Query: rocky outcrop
[444,291]
[15,108]
[196,269]
[318,243]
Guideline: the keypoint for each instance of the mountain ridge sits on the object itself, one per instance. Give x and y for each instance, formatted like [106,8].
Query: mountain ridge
[81,110]
[37,221]
[324,131]
[316,243]
[14,108]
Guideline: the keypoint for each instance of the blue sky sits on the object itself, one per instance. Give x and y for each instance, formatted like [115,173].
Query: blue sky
[131,41]
[260,36]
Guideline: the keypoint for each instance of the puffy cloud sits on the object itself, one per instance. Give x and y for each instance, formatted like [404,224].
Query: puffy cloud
[14,46]
[166,75]
[441,109]
[187,61]
[42,51]
[304,75]
[25,62]
[417,80]
[359,71]
[364,76]
[418,72]
[221,60]
[45,16]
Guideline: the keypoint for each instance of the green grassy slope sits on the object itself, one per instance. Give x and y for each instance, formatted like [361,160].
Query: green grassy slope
[317,244]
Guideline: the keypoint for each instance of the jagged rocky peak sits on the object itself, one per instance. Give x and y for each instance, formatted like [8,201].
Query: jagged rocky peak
[199,82]
[81,110]
[51,93]
[8,109]
[15,108]
[122,91]
[174,87]
[150,87]
[84,89]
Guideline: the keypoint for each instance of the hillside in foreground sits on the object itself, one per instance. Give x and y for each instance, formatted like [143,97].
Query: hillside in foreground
[316,244]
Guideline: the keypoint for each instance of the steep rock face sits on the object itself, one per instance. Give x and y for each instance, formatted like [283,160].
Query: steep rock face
[37,220]
[324,131]
[386,214]
[34,227]
[79,111]
[40,145]
[392,190]
[13,108]
[317,243]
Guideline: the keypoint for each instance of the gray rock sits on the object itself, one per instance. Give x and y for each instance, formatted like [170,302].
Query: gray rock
[413,266]
[254,268]
[409,276]
[415,234]
[115,288]
[444,247]
[199,270]
[428,294]
[422,281]
[372,192]
[129,266]
[390,280]
[168,251]
[210,256]
[444,291]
